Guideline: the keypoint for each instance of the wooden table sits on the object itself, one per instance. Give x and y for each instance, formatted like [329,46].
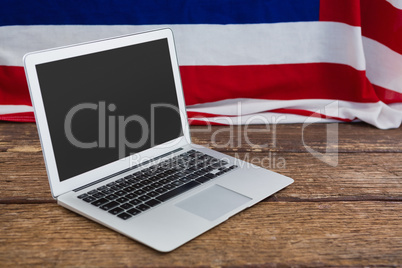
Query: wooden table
[347,215]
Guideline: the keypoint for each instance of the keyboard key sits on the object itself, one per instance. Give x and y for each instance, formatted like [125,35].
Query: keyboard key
[131,180]
[154,178]
[144,198]
[191,176]
[177,191]
[160,190]
[102,188]
[126,206]
[173,177]
[115,210]
[136,174]
[108,191]
[111,196]
[115,188]
[122,184]
[109,205]
[168,186]
[210,175]
[130,196]
[135,202]
[100,202]
[164,181]
[185,179]
[128,189]
[202,179]
[216,165]
[156,184]
[120,193]
[134,211]
[124,216]
[143,207]
[122,200]
[177,183]
[152,194]
[92,192]
[152,202]
[139,192]
[82,196]
[89,199]
[98,195]
[147,188]
[137,185]
[146,182]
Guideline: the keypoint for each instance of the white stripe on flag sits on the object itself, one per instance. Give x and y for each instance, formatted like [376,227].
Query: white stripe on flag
[264,118]
[378,114]
[220,45]
[236,44]
[13,109]
[384,66]
[396,3]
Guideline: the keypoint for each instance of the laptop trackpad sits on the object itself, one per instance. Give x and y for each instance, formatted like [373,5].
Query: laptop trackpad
[213,202]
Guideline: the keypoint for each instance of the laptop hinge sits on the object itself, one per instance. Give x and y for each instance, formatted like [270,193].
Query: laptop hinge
[127,169]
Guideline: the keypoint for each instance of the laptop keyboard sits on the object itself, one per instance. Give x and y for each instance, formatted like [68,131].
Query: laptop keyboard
[138,192]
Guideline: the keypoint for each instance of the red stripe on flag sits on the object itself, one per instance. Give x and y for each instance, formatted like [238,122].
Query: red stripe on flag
[379,20]
[13,86]
[19,117]
[203,84]
[382,22]
[213,83]
[308,114]
[197,116]
[387,96]
[346,11]
[198,122]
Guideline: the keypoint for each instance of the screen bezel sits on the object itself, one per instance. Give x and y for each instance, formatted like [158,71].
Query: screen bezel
[32,59]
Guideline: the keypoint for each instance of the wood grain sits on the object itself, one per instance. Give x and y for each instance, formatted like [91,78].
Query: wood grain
[363,177]
[358,137]
[373,175]
[281,233]
[351,138]
[347,213]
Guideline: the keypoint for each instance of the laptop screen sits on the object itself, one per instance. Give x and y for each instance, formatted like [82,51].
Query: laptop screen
[105,106]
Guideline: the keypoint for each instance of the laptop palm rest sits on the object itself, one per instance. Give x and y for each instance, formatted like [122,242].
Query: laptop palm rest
[213,202]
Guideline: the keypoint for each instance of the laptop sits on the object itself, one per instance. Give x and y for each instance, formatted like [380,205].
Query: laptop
[116,141]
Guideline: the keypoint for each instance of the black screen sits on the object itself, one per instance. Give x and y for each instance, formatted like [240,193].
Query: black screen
[104,106]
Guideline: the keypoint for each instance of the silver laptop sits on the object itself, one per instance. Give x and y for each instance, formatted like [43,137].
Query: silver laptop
[116,142]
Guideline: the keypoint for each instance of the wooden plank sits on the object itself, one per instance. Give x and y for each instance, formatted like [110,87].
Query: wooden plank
[374,176]
[350,138]
[272,234]
[357,176]
[356,137]
[23,178]
[19,137]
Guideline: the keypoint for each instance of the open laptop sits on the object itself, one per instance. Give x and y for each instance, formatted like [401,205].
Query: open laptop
[116,142]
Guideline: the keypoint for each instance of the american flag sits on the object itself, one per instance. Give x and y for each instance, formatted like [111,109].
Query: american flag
[241,62]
